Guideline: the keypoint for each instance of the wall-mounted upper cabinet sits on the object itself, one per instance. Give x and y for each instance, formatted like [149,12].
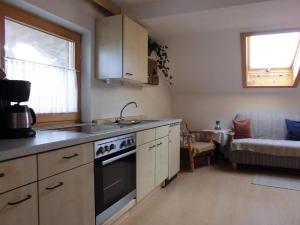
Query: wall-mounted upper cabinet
[122,49]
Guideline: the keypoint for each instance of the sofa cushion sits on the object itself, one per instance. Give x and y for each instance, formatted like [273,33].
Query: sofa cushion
[267,146]
[242,128]
[293,130]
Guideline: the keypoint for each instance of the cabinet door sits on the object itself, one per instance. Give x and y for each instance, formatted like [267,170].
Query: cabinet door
[109,47]
[68,198]
[161,165]
[145,169]
[20,206]
[135,51]
[174,150]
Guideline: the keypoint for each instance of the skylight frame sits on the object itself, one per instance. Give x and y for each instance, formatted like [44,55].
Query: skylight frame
[279,82]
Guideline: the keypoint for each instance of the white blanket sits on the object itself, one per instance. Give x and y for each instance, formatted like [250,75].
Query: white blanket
[267,146]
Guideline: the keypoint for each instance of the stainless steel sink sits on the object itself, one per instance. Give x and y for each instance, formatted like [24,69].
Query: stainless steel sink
[128,122]
[134,122]
[149,121]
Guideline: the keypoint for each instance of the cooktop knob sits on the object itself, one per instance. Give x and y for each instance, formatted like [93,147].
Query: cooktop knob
[123,144]
[112,146]
[106,148]
[100,151]
[128,142]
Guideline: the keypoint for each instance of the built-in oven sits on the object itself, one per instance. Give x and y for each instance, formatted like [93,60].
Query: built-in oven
[115,175]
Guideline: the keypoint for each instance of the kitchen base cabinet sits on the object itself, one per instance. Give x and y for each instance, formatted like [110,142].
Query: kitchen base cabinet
[145,169]
[174,150]
[152,159]
[161,160]
[20,206]
[68,198]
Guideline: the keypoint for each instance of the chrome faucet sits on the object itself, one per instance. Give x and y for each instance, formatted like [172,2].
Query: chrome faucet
[121,118]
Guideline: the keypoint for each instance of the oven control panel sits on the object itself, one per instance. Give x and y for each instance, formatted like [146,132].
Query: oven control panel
[115,144]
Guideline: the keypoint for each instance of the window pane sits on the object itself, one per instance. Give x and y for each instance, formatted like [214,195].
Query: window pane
[25,43]
[273,50]
[48,62]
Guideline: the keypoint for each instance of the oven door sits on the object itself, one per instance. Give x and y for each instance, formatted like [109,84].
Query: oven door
[115,177]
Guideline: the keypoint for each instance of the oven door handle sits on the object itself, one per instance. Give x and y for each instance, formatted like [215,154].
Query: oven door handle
[118,157]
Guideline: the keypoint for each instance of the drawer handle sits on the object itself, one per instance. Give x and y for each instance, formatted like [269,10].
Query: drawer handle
[71,156]
[2,175]
[56,186]
[129,74]
[20,201]
[151,147]
[159,144]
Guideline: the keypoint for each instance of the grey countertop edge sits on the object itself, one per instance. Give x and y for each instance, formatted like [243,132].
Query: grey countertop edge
[16,148]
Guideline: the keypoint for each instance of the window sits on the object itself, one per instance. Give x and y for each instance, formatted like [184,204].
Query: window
[271,59]
[48,56]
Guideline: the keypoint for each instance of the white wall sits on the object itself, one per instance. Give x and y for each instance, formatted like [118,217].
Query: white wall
[99,100]
[202,110]
[153,101]
[208,81]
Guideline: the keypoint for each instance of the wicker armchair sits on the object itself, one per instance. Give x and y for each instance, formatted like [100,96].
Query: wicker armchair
[197,143]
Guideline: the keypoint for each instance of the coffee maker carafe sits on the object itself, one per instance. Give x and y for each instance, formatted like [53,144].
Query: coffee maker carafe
[16,120]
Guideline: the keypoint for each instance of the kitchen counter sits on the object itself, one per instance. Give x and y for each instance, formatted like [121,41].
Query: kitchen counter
[47,140]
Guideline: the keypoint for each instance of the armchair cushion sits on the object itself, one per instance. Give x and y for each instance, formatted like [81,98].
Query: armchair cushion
[200,147]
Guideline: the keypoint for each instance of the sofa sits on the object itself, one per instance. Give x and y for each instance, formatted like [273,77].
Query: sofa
[268,145]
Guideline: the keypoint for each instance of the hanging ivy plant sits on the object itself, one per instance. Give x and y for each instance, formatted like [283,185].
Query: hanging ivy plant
[162,57]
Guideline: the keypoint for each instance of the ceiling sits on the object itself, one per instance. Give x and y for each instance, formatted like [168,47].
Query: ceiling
[204,36]
[141,9]
[172,18]
[128,3]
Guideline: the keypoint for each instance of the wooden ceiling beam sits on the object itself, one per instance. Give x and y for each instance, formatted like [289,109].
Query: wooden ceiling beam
[109,6]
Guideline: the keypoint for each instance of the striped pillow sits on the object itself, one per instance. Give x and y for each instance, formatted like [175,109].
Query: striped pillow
[242,128]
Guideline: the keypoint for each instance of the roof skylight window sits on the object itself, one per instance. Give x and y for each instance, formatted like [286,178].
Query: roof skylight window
[271,59]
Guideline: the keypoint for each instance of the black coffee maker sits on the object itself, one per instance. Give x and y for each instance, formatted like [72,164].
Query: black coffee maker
[15,120]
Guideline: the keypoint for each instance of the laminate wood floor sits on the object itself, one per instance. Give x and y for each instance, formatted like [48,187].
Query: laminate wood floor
[217,196]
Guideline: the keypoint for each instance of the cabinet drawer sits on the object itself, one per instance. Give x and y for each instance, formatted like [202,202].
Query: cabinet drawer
[20,206]
[162,132]
[145,136]
[17,172]
[55,162]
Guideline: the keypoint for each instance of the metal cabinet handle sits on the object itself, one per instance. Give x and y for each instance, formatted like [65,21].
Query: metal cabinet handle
[159,144]
[20,201]
[56,186]
[104,163]
[151,147]
[2,175]
[71,156]
[129,74]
